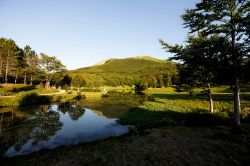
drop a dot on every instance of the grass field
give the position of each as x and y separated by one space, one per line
173 129
15 89
165 106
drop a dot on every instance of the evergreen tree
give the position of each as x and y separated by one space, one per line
228 18
204 60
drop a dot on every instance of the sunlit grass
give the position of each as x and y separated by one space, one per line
165 107
168 90
15 89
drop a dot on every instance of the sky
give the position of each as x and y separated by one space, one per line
83 32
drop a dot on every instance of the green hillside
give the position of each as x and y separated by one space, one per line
149 58
115 72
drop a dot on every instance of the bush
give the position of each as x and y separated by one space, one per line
79 96
151 98
105 95
139 88
32 99
69 92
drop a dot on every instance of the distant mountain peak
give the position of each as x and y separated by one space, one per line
149 58
102 62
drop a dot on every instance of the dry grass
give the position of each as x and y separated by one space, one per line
161 146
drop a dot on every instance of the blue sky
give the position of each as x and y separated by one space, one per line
83 32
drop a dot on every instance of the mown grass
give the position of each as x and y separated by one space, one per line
31 98
165 107
154 114
24 99
245 89
15 89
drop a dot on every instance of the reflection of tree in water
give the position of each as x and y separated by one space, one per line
37 127
45 108
73 109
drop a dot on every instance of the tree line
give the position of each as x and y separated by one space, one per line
24 65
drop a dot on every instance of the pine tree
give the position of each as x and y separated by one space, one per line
229 18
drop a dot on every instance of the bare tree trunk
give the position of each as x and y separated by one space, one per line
6 69
1 123
236 88
31 79
211 105
237 103
47 85
25 78
16 77
1 65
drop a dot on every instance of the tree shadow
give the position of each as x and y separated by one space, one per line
216 97
144 118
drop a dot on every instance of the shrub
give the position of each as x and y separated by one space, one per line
80 96
32 99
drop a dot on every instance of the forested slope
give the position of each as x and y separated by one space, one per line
115 72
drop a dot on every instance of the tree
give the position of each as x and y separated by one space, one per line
31 66
66 81
60 79
27 50
8 57
229 18
79 81
202 61
139 88
50 64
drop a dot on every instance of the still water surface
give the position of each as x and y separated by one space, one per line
50 126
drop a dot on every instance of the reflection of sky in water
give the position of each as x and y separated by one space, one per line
90 126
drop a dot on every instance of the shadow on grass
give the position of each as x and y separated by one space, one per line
216 97
23 89
33 99
143 118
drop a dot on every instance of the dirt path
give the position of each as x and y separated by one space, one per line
49 94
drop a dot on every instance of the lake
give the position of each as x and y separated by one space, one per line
30 129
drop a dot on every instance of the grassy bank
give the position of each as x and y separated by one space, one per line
31 98
161 146
24 95
16 89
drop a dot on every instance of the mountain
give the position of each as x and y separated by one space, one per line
128 71
149 58
102 62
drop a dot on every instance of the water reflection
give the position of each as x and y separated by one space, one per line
73 109
50 126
